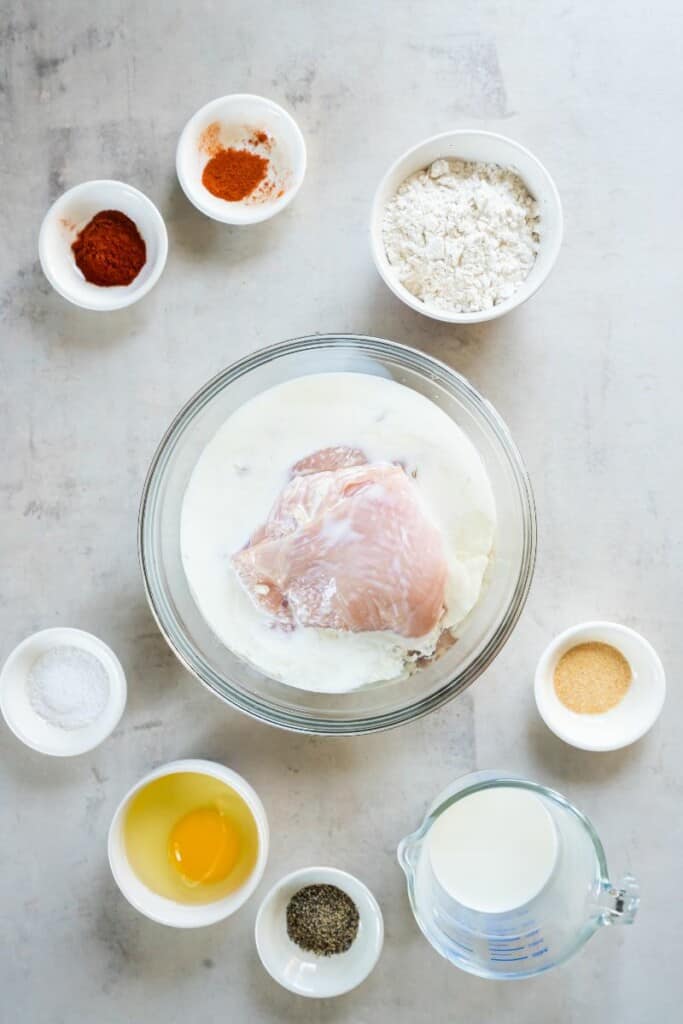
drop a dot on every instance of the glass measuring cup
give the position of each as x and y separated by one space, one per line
576 900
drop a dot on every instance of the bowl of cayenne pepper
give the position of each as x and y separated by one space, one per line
241 159
103 245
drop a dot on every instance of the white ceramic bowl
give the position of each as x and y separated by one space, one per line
623 724
239 115
159 908
318 977
70 213
489 148
33 730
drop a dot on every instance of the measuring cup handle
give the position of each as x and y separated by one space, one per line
620 902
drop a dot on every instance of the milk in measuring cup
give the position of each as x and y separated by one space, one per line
493 850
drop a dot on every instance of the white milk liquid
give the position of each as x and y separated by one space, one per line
245 466
494 850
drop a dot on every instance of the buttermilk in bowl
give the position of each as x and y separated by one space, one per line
336 530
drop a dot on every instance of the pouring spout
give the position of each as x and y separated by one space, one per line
408 853
620 902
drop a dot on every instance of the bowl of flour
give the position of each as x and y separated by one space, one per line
466 226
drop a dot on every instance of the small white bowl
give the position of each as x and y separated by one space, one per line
70 213
239 115
159 908
488 148
318 977
27 725
632 716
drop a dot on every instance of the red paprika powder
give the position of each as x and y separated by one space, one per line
233 174
110 250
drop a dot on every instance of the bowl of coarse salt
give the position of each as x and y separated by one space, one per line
62 691
466 226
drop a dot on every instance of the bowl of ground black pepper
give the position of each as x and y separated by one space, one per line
241 159
103 245
319 932
599 686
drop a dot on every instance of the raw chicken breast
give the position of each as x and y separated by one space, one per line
348 546
329 458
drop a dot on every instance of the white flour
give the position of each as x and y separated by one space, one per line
462 235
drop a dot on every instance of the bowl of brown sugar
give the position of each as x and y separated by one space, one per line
241 159
599 686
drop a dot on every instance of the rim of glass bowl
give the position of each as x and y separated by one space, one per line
261 709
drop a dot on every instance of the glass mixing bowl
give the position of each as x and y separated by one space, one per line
382 705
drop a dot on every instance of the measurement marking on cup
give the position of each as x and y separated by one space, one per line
523 930
507 959
461 945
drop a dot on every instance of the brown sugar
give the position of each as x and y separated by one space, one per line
591 678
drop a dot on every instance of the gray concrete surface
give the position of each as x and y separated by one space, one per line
587 375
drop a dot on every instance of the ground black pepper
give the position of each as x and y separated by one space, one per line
322 919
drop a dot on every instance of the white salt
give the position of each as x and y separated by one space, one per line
68 687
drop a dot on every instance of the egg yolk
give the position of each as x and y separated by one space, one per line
203 846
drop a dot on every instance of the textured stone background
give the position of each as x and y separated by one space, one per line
587 375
